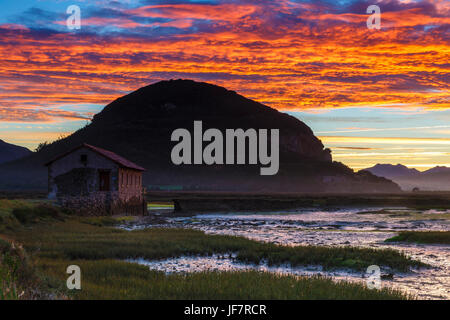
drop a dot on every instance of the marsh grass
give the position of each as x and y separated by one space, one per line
56 240
74 239
14 213
107 221
411 214
40 212
390 212
357 259
112 279
7 220
18 278
8 276
160 204
100 221
426 237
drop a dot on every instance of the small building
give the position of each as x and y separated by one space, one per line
94 181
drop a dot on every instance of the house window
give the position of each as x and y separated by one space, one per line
103 183
83 159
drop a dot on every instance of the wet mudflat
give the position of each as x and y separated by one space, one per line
361 227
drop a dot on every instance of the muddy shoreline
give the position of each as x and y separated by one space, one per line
320 227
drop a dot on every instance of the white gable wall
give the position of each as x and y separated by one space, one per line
73 160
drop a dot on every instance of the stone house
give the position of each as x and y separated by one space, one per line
94 181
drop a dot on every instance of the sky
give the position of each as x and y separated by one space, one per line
371 95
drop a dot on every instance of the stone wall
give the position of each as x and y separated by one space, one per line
75 184
78 190
103 204
95 204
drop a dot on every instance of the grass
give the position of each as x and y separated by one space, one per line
7 220
16 273
160 204
354 258
390 212
104 221
56 240
425 237
18 278
39 213
112 279
439 206
14 213
411 214
74 239
8 274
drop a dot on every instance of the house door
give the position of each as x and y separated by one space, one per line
104 180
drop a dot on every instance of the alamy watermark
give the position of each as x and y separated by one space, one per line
74 280
235 149
73 22
373 275
374 20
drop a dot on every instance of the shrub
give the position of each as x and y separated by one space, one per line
427 237
24 215
29 215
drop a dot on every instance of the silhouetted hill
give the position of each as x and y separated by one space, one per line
437 170
139 126
10 152
434 179
390 171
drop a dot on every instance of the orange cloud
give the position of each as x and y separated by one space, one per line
310 60
224 12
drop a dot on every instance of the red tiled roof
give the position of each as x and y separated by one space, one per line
107 154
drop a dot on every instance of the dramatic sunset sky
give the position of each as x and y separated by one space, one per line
372 96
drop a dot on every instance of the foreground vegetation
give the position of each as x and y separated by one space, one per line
8 272
112 279
16 213
426 237
18 279
76 239
56 240
411 214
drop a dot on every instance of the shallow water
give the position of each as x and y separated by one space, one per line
330 228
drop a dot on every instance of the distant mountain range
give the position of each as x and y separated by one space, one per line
10 152
138 126
434 179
